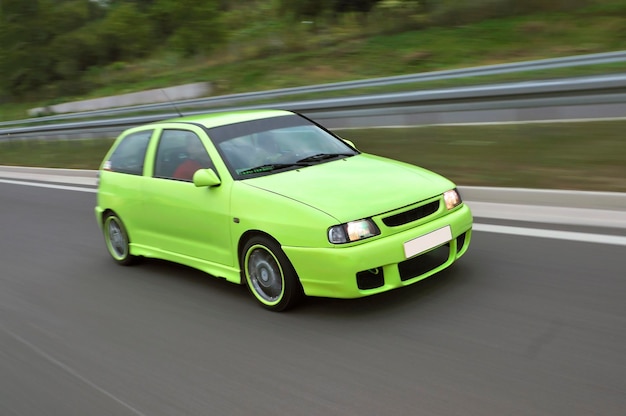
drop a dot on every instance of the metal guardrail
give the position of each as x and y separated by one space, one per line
227 100
415 107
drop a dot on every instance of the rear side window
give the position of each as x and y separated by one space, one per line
129 155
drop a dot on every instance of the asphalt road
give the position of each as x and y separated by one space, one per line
520 326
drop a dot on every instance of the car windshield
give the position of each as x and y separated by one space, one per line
266 146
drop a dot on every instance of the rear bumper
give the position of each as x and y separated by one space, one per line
99 212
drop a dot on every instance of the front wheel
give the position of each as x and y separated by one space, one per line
116 239
269 275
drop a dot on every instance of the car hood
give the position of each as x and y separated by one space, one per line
355 187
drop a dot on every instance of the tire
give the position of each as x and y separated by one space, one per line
117 241
269 275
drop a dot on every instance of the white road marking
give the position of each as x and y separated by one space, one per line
50 185
559 235
72 372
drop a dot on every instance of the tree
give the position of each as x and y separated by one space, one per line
32 50
315 8
126 33
189 26
364 6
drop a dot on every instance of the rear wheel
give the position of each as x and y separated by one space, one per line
269 275
116 239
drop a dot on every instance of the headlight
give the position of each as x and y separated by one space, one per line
452 198
352 231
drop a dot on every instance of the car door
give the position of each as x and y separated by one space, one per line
179 217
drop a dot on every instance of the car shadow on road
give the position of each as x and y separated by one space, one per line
444 285
170 273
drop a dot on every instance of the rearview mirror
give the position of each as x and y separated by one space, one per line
206 177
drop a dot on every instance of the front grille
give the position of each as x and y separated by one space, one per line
417 266
370 279
411 215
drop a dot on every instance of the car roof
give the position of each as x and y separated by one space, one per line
230 117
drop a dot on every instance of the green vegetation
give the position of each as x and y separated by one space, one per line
83 49
71 154
582 156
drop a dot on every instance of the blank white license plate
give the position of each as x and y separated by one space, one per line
426 242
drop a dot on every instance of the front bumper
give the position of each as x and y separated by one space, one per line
379 265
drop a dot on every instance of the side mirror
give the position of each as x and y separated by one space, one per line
206 177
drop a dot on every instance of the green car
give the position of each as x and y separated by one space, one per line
272 199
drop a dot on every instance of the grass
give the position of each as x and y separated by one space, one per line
71 154
579 156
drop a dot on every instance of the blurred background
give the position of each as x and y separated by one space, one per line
58 51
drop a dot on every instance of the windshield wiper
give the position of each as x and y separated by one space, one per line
323 156
270 167
302 162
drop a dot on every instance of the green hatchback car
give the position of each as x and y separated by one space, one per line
273 200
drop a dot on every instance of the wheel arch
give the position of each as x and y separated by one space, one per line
105 213
291 288
126 258
245 237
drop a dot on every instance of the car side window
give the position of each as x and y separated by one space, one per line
179 155
129 155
